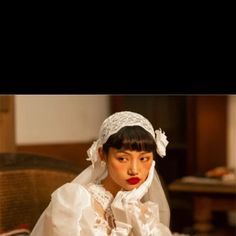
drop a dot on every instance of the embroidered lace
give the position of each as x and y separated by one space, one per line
104 198
101 195
121 119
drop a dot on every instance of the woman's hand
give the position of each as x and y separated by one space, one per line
137 194
122 198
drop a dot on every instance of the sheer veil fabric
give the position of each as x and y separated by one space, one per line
97 171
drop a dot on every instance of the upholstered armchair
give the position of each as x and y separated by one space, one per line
26 184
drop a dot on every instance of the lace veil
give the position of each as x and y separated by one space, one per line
98 171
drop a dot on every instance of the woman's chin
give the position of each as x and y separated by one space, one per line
131 187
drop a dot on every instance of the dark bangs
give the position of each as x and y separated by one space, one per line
134 138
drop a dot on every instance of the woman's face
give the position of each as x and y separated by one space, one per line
127 169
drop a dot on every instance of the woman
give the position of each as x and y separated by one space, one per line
120 193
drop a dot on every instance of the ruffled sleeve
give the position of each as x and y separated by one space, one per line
62 215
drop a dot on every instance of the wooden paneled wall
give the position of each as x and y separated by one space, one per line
196 127
75 153
207 132
211 127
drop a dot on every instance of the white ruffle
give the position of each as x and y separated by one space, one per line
101 195
161 141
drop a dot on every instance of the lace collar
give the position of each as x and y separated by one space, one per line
101 195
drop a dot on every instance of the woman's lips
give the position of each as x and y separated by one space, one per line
133 180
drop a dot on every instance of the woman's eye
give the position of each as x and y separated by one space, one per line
144 158
122 159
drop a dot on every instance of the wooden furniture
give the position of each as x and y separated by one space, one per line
26 184
207 197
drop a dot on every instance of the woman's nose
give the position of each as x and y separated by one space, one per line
133 169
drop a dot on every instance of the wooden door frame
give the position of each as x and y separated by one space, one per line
7 123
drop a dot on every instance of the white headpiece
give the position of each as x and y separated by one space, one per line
119 120
112 125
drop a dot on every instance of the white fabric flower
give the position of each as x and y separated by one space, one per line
161 141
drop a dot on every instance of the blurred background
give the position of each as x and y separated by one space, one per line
201 130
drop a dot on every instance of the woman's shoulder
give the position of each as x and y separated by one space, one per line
72 193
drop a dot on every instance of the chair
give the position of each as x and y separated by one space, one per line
26 183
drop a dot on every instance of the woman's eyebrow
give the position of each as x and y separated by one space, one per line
129 152
122 151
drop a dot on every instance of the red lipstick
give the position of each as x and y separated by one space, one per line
133 180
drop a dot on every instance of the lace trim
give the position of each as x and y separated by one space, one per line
101 195
104 198
120 119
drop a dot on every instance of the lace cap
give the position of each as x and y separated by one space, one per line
118 120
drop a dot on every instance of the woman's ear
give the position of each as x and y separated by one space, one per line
101 154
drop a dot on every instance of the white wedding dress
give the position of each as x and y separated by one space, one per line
84 208
73 211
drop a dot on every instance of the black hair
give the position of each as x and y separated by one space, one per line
134 138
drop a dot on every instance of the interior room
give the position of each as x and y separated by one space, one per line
198 172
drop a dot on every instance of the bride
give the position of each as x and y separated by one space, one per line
120 193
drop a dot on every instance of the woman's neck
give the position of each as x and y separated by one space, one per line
110 186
